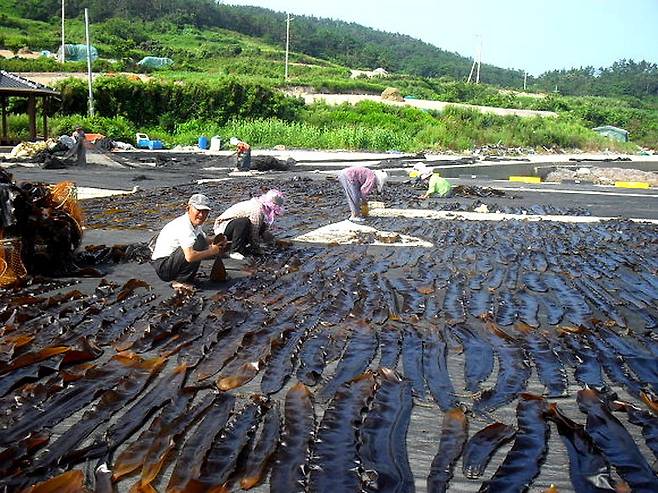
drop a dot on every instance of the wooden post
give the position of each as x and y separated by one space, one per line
5 136
32 117
44 108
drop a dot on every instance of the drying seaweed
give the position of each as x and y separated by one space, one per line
479 303
110 402
64 404
160 394
221 353
254 351
553 312
588 469
359 352
334 457
616 444
134 455
223 455
412 361
453 303
453 438
190 459
648 422
435 370
281 365
481 447
549 367
383 448
534 282
513 373
16 457
289 469
312 357
166 440
296 313
589 371
260 457
522 463
389 346
506 311
528 308
478 357
67 482
614 366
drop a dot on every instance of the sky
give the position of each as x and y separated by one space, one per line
531 35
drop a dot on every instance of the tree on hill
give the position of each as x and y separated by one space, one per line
351 44
623 78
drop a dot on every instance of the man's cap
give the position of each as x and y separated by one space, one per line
200 202
234 141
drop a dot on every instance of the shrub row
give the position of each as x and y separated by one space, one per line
167 103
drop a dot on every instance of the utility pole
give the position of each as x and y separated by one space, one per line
477 61
62 57
90 100
470 75
477 76
288 19
525 79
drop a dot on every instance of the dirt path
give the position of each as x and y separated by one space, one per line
49 78
419 103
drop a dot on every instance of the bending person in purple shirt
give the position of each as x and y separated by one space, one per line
358 182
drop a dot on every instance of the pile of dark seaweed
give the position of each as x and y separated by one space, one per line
309 373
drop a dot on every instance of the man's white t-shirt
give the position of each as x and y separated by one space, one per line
177 233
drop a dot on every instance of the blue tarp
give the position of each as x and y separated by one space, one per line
77 53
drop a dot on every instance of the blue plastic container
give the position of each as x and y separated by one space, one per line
155 144
203 142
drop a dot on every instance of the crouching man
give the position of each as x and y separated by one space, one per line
182 245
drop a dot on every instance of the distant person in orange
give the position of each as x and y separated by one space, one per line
243 153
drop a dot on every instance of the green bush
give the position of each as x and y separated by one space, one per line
117 128
144 103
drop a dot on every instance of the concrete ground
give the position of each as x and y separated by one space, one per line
425 429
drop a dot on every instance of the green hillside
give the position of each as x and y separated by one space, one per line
231 55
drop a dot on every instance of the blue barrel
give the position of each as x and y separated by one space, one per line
203 142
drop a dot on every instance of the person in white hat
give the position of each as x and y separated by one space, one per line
436 185
182 245
358 182
243 154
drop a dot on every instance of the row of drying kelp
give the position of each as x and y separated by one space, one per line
221 443
312 330
309 203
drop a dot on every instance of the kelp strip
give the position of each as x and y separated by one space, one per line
616 443
289 469
453 437
260 457
383 448
334 458
191 457
588 469
481 447
522 463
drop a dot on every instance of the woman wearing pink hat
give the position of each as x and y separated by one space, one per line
246 224
358 182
